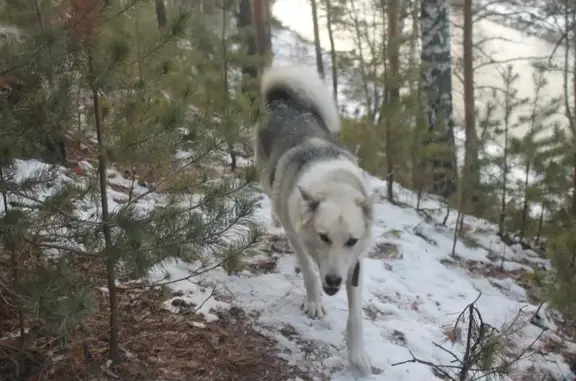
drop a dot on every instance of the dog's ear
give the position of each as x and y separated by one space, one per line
312 201
366 203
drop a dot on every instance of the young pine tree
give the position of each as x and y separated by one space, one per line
533 146
136 86
500 130
45 294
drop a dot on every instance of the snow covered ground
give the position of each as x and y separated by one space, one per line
414 289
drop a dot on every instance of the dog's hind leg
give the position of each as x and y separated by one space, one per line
267 189
313 303
261 159
357 355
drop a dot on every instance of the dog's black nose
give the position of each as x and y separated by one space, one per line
333 280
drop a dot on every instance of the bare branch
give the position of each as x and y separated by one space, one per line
479 344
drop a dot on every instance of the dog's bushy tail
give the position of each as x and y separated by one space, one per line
301 84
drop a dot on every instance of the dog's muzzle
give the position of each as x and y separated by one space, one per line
331 290
332 284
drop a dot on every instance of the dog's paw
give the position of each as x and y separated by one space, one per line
313 309
360 359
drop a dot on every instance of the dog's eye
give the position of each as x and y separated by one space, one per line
325 238
351 242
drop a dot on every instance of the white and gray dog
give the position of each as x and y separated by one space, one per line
317 191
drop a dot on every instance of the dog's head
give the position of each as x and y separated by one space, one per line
336 224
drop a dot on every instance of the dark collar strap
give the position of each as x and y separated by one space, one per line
356 274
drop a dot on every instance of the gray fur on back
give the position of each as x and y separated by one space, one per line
290 141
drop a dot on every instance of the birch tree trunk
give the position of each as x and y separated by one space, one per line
437 94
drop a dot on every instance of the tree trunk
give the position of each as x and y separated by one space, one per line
225 86
358 31
244 22
540 225
504 183
208 7
332 49
471 174
525 203
573 209
114 352
416 95
317 47
161 17
393 51
261 22
574 105
392 88
437 89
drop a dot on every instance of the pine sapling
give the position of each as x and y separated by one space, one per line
531 147
511 102
484 355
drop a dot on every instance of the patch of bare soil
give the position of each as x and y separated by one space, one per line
310 350
274 246
155 345
521 276
385 250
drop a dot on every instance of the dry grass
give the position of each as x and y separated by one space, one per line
155 345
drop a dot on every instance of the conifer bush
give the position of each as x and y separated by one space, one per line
122 93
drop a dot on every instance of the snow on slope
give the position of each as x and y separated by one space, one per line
409 298
413 290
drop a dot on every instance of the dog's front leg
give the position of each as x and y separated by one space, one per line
357 355
313 303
